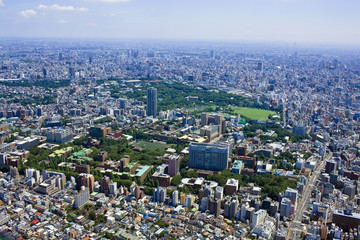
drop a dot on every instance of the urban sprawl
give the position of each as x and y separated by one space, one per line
178 140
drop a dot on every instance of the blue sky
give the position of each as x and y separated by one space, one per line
300 21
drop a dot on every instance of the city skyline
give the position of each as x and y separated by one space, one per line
294 21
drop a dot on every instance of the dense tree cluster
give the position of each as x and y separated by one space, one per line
279 135
47 84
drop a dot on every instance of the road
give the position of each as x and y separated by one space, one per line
295 227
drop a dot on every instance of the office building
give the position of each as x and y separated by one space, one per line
292 194
4 216
28 142
99 132
14 173
237 166
4 159
219 192
81 198
231 186
331 165
113 188
50 185
258 218
123 103
346 219
285 207
234 208
59 136
215 206
208 156
204 204
159 194
82 168
151 102
299 130
48 174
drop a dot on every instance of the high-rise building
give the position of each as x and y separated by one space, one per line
152 102
81 198
135 190
219 192
59 136
204 205
233 208
175 198
227 209
86 180
212 54
82 168
14 173
113 188
4 216
285 207
105 185
292 194
231 186
258 218
215 206
331 165
123 103
72 72
39 111
208 156
4 159
174 165
204 119
159 194
99 132
190 199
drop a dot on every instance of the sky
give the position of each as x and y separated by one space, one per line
293 21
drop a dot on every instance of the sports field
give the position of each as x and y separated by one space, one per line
253 113
153 146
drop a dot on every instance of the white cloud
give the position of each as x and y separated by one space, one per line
28 13
2 3
61 21
113 1
57 7
82 9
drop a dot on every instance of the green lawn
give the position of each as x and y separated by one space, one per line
253 113
153 146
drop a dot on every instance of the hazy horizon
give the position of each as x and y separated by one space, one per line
320 22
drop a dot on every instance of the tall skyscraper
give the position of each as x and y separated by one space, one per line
208 156
152 102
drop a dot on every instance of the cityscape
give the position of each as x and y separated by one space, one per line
177 139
